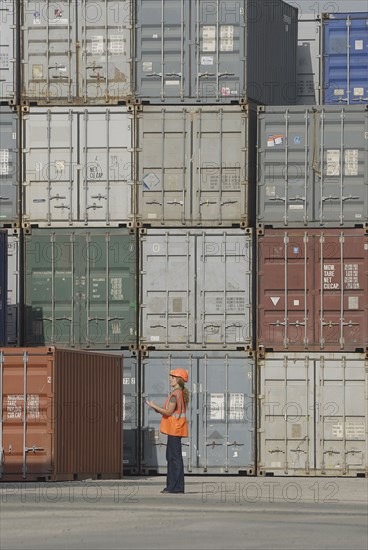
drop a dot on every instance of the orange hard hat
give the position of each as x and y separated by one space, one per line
180 373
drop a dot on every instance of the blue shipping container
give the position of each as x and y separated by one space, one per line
3 285
345 58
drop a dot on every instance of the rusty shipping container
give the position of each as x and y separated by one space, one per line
313 290
61 414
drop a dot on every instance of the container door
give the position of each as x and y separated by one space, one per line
341 168
50 51
26 430
104 38
8 10
3 286
162 61
105 193
217 62
346 59
164 160
226 414
341 431
168 289
219 166
8 164
224 289
286 416
285 193
51 166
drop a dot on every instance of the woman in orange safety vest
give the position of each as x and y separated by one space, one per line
174 424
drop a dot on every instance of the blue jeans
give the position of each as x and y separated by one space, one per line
175 465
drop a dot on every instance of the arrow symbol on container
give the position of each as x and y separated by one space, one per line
275 300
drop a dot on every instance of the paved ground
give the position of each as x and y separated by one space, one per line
216 512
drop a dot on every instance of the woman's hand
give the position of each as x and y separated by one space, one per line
151 404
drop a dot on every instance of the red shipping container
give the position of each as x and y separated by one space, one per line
312 289
61 414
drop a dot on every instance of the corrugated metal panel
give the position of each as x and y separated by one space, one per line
77 52
345 56
88 432
211 52
9 159
312 166
81 288
196 289
308 64
13 295
8 10
3 285
220 413
313 414
61 414
313 290
196 165
78 166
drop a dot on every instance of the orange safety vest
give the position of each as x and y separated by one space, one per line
176 424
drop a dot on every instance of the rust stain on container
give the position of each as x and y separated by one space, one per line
313 289
61 414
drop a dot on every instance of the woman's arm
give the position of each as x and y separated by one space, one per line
165 412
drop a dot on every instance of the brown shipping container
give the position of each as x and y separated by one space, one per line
61 414
313 289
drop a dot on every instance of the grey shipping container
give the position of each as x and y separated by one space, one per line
9 166
60 412
3 285
220 413
312 290
312 166
76 52
313 414
77 167
196 165
207 51
8 47
81 288
196 289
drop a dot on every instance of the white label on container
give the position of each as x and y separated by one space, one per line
275 300
116 328
124 408
217 406
116 288
14 407
358 92
351 162
270 190
14 135
333 162
225 91
227 38
37 18
147 66
359 44
275 464
155 338
58 21
337 431
351 276
126 381
4 162
339 91
59 165
172 82
329 274
296 302
237 409
209 38
353 302
207 60
296 206
184 453
97 44
355 430
151 216
116 44
275 139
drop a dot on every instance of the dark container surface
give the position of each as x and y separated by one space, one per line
313 290
3 285
70 427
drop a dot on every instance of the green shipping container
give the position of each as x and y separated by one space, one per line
81 288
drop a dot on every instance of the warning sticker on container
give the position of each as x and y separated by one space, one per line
151 182
116 44
225 91
227 38
4 162
207 60
217 406
351 162
36 18
209 38
237 409
97 45
351 276
333 162
14 408
275 139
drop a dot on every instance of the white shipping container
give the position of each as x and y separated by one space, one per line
8 44
313 414
77 166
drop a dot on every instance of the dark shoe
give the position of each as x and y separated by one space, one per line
164 490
